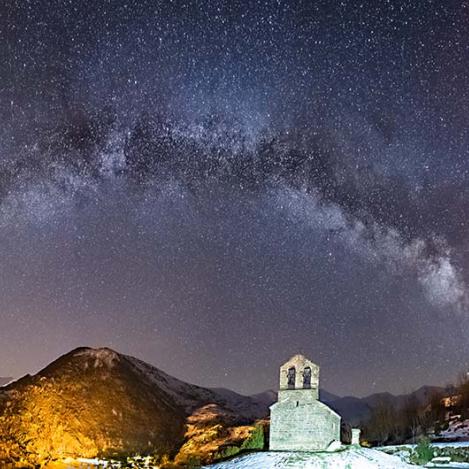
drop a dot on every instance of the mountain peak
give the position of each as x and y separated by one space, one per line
103 357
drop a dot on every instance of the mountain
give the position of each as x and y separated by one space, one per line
4 381
356 410
353 410
267 398
97 402
327 397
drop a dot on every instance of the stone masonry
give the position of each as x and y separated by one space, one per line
299 421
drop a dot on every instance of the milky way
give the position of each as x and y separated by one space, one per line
215 186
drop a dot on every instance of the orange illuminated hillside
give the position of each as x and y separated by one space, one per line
96 402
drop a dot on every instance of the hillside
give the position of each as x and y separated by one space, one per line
97 402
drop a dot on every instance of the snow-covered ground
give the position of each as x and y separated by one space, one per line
451 444
444 458
454 444
457 429
353 458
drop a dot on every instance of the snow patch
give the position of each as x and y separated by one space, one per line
457 430
353 458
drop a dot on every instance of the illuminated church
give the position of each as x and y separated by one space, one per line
299 421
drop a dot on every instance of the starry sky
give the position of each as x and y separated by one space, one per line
214 186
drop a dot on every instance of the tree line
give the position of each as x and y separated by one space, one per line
392 423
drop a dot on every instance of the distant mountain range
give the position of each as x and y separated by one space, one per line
97 402
356 410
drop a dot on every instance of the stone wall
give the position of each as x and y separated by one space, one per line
310 395
302 426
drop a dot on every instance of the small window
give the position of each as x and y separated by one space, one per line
307 378
291 375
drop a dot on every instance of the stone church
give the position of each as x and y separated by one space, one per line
299 421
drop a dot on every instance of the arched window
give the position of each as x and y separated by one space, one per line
291 375
307 378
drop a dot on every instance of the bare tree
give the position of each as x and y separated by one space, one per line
462 390
411 418
382 425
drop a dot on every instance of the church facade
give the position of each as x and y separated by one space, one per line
299 421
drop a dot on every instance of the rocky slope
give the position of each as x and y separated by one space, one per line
96 402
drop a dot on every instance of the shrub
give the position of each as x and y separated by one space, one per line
255 440
193 462
228 452
423 452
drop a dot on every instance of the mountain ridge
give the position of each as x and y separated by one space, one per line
356 410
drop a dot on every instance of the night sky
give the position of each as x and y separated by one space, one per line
214 186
